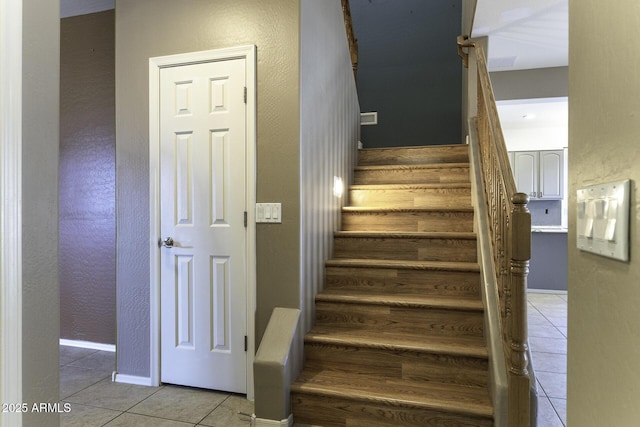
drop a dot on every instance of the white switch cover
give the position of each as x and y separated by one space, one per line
269 212
603 219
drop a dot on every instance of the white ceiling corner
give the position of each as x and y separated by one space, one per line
524 34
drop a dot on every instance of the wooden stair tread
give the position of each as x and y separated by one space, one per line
419 147
416 265
444 185
378 209
459 345
407 235
393 299
411 166
465 400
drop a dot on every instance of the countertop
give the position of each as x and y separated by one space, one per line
548 229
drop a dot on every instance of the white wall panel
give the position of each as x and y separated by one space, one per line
329 131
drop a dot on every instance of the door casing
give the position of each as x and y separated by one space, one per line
155 65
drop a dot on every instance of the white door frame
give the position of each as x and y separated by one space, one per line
155 65
11 207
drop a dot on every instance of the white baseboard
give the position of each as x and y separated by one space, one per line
131 379
546 291
261 422
88 344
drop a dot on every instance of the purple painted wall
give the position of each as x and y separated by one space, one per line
87 178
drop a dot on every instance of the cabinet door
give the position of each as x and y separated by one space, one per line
551 174
525 172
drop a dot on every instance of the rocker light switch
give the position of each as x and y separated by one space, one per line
603 219
269 213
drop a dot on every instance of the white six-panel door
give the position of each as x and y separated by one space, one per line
202 223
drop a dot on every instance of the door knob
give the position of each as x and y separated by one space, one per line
167 243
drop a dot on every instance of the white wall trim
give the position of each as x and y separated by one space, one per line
132 379
262 422
155 64
11 207
88 344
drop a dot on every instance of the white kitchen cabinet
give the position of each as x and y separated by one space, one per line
539 173
551 174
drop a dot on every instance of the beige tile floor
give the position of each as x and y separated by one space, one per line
85 382
548 341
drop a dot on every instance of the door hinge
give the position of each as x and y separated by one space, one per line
245 219
245 94
245 343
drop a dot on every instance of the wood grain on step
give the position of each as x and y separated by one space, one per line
407 219
414 155
409 246
407 174
449 196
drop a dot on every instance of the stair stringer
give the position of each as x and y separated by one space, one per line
498 381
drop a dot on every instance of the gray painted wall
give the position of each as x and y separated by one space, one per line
87 178
40 296
329 127
529 84
548 265
149 28
409 70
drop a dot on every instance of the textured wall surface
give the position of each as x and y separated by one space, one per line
87 178
328 138
40 296
409 70
604 129
149 28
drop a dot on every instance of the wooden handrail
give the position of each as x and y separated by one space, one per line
510 234
353 41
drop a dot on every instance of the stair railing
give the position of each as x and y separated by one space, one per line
353 41
509 230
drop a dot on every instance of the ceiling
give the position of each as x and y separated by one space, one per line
543 112
524 34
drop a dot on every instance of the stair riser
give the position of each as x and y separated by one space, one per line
394 319
408 175
405 281
413 156
398 364
450 198
414 249
333 412
408 221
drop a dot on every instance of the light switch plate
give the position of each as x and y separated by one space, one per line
269 213
603 219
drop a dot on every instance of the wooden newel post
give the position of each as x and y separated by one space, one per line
520 241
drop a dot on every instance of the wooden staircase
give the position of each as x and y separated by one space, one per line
398 339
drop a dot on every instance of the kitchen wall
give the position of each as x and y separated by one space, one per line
149 28
409 70
604 321
528 84
542 91
87 178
